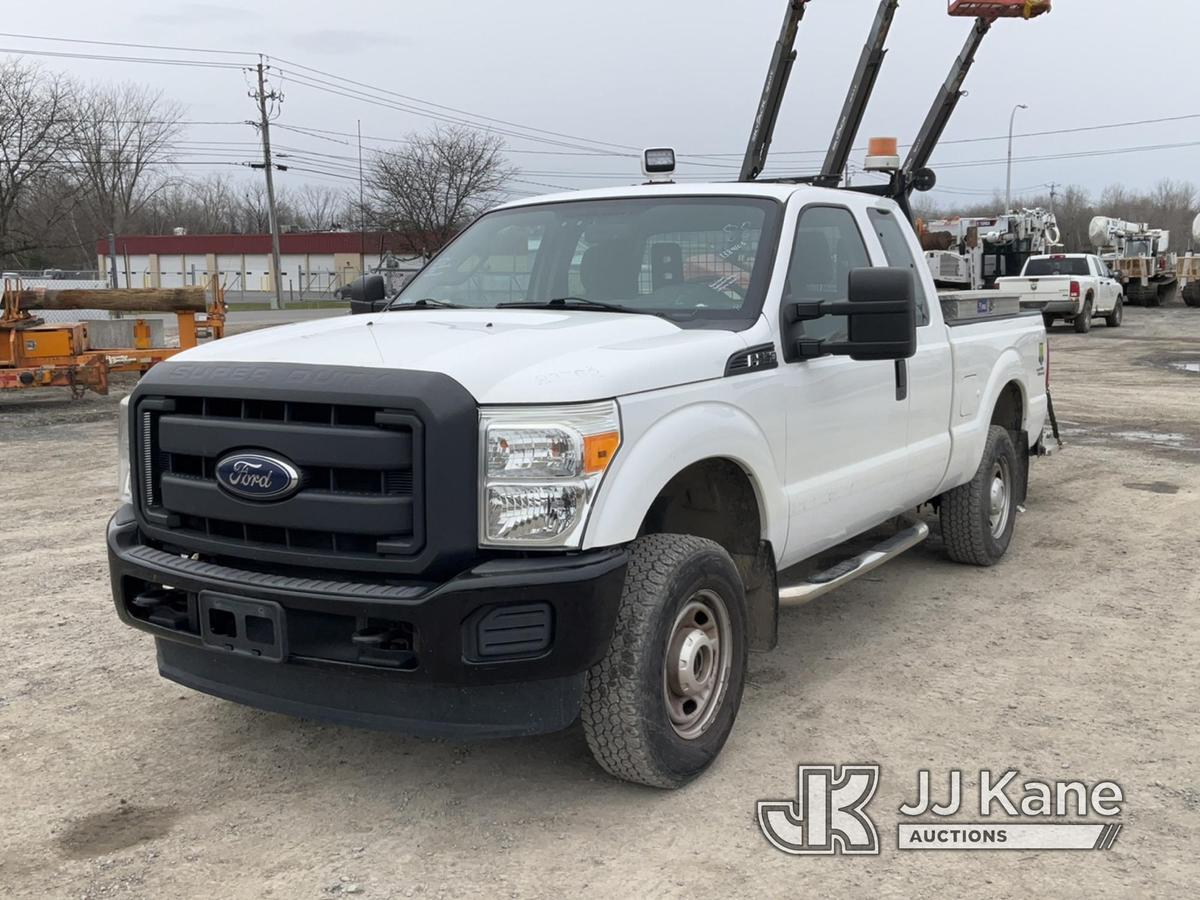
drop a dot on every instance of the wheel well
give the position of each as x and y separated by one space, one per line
711 499
715 499
1010 408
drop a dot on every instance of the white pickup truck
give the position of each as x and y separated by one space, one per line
560 478
1077 287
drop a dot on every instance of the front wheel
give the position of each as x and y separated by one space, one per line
659 706
1083 321
978 518
1114 318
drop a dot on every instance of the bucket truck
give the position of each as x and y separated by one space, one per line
1139 257
972 253
1189 269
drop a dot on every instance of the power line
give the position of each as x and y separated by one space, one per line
63 40
462 112
1003 137
162 61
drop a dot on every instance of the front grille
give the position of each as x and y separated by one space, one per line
360 495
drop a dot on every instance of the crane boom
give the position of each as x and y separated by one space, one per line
774 89
859 95
944 104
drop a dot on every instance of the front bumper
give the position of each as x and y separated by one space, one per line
499 650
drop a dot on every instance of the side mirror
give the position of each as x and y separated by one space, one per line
368 294
882 314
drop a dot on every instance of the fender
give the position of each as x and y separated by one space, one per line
648 460
968 436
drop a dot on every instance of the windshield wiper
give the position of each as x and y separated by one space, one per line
575 303
426 303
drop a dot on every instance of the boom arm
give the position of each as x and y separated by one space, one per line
944 105
773 91
861 88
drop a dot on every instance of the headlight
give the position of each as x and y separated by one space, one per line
124 488
542 466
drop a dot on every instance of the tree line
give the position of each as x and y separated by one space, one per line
1172 205
78 162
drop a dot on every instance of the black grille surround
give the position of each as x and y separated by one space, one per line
371 446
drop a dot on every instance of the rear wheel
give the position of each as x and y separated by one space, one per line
1114 318
978 518
1083 321
658 708
1048 320
1191 294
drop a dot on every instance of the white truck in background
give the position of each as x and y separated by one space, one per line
1075 287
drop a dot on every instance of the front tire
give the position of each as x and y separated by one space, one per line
659 706
1114 318
978 518
1083 321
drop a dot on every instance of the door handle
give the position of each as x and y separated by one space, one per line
901 379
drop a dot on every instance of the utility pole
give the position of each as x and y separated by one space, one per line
1053 194
263 98
362 210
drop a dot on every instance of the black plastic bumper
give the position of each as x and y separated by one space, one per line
1058 307
498 650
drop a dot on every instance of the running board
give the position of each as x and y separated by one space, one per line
847 570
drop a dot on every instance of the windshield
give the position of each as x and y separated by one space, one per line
693 260
1057 265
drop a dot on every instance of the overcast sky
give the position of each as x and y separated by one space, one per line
681 72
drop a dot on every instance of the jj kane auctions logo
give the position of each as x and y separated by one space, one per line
829 815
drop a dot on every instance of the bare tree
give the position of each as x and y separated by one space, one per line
36 112
123 138
437 184
322 208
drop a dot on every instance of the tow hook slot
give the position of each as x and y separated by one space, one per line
386 644
165 607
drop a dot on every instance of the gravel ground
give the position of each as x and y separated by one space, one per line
1074 658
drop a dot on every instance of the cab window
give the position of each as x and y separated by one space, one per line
900 256
828 248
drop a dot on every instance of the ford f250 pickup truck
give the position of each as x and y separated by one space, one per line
1077 287
560 477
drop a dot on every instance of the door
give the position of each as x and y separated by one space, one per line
1108 290
846 427
930 372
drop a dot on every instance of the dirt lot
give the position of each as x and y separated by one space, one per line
1075 658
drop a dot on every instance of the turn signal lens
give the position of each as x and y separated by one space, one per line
598 451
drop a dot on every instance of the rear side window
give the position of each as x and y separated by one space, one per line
896 249
828 248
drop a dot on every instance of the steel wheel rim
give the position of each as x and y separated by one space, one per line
697 664
1000 497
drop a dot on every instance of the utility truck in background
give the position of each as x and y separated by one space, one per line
584 458
1140 257
972 253
1189 269
1076 287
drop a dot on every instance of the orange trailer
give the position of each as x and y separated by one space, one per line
34 353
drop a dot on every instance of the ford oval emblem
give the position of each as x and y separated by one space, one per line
256 476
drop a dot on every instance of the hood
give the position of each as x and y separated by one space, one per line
499 355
